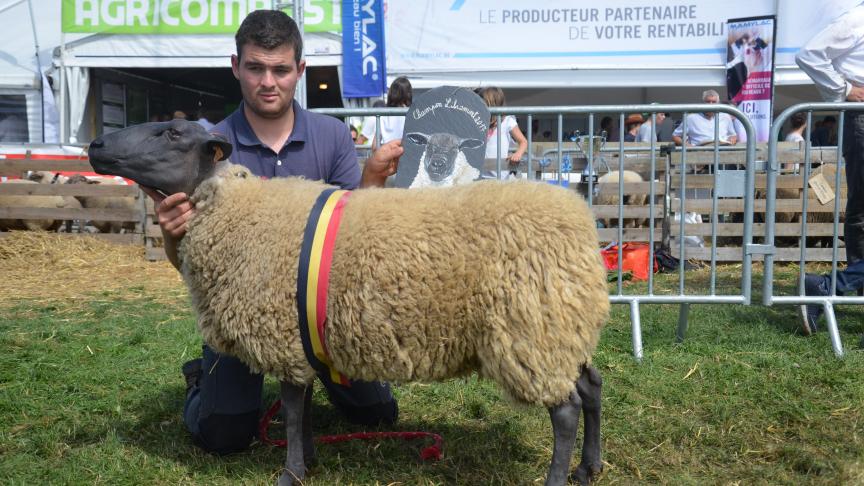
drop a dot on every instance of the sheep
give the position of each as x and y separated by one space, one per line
28 201
443 163
787 193
609 182
105 202
47 177
425 284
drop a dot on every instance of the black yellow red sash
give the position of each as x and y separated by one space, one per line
313 278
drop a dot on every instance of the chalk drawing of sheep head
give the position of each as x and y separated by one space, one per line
442 150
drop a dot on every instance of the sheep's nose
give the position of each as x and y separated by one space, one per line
97 143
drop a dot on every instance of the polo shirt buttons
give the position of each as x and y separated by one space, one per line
278 162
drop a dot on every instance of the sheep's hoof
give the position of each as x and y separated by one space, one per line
288 478
585 474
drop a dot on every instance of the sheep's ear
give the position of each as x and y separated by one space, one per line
418 138
470 143
219 147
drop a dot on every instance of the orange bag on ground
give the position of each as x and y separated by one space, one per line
635 259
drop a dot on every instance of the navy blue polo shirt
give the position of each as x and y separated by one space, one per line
319 148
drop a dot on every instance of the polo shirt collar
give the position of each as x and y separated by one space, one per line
246 136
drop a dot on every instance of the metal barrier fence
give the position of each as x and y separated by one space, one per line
805 172
685 296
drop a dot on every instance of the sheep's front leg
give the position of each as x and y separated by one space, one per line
292 409
565 426
589 386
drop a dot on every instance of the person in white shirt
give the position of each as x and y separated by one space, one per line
834 60
510 132
700 126
647 128
399 95
367 130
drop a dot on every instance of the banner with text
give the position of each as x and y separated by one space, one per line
495 35
184 16
364 71
750 70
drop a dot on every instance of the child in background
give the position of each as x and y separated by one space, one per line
494 96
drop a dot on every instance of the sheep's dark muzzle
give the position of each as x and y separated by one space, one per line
169 157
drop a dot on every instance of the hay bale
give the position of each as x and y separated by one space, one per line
50 266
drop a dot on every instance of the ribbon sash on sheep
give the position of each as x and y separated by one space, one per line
313 279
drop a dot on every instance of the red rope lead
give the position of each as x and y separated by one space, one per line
433 452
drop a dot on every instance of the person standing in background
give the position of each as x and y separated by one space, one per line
399 95
494 96
648 128
834 60
631 127
798 122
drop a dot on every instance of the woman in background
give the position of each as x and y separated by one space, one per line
494 96
799 124
399 95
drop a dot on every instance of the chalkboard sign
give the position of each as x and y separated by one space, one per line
444 139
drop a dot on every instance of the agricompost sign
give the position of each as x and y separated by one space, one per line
183 16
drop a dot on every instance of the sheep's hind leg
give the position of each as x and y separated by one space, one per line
293 397
309 455
565 426
589 386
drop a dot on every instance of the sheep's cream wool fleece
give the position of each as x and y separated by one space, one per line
425 284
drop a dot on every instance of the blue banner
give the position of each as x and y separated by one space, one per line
364 72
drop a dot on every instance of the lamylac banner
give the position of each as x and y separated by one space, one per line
750 70
364 73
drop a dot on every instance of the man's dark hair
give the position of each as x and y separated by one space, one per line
400 92
269 29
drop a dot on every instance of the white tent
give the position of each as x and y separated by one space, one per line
20 104
20 79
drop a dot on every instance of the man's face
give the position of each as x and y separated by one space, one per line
268 78
713 100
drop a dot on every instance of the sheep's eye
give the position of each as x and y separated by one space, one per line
172 134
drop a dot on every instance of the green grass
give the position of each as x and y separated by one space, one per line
91 393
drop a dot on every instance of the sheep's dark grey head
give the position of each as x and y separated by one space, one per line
441 152
174 156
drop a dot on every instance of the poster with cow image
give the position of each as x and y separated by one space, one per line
444 139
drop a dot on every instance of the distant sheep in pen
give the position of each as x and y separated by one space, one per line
37 202
424 284
106 202
607 195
